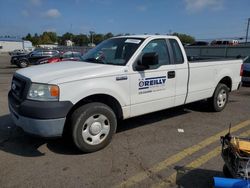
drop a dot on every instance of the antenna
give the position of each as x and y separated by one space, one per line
71 39
248 21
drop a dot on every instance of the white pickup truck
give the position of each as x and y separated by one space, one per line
122 77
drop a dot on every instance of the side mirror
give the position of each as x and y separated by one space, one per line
150 59
147 59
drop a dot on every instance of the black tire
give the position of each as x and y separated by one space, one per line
87 120
220 98
227 172
23 63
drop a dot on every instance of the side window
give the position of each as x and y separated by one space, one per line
54 53
77 54
67 54
158 46
178 56
46 53
36 54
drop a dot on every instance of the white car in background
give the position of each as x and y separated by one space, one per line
18 52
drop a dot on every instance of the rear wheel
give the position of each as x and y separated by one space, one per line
93 126
220 98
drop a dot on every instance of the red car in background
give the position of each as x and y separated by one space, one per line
63 56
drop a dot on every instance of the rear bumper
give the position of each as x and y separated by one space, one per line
245 79
239 86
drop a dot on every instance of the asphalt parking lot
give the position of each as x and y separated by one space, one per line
147 151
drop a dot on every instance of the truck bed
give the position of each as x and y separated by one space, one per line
199 59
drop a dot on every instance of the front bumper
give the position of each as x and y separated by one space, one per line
45 119
39 127
13 61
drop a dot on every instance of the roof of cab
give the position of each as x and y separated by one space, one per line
145 36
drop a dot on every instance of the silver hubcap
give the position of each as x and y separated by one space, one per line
23 63
95 129
222 98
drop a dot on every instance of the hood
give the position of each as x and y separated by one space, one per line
67 71
19 56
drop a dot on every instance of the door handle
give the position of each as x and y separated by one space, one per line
171 74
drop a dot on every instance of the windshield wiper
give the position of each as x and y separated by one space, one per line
93 60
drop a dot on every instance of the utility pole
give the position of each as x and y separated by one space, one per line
92 37
170 32
247 29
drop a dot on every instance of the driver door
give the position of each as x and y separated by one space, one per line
153 89
35 56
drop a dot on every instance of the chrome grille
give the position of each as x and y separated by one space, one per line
17 87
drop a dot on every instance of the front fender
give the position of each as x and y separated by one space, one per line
78 90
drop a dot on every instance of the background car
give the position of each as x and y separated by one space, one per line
246 71
63 56
224 42
32 58
18 52
199 43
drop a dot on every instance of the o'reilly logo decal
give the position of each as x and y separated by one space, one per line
152 84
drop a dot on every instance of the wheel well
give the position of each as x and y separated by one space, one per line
227 81
24 59
103 98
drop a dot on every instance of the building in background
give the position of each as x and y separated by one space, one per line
10 44
69 43
48 46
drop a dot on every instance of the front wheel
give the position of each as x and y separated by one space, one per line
23 63
220 98
227 172
93 126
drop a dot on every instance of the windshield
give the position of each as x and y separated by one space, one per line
115 51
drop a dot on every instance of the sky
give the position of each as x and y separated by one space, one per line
203 19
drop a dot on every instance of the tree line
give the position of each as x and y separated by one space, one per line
84 39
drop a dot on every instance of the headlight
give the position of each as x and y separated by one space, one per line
43 92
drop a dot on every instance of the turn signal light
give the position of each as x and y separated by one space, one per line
54 91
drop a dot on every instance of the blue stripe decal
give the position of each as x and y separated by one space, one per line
143 88
155 78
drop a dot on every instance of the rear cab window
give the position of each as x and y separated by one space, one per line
177 53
